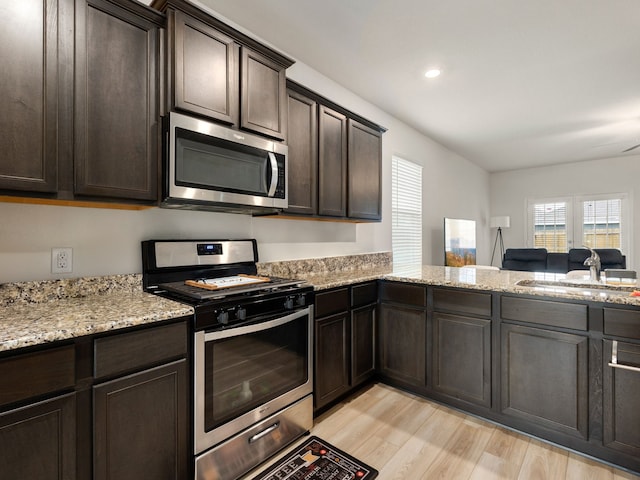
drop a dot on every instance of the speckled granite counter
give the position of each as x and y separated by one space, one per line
36 313
469 277
505 281
333 272
330 272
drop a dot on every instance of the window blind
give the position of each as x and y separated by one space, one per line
406 207
601 223
550 226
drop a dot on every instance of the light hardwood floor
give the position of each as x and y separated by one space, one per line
407 437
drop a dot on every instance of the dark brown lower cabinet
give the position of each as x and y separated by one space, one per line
123 396
141 425
331 358
39 441
462 357
344 340
545 378
362 344
403 343
621 398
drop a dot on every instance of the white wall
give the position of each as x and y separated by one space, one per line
108 241
510 191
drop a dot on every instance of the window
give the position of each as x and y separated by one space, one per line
601 223
550 226
598 221
406 204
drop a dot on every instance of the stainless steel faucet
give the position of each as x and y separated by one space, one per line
593 262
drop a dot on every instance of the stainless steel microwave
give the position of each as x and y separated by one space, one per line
213 167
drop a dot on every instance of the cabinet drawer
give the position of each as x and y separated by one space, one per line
460 301
403 293
137 350
543 312
334 301
38 373
364 294
622 322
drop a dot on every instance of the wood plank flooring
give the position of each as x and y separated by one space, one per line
407 437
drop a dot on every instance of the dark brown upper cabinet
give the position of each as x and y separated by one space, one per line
302 140
80 87
264 95
217 72
205 70
29 81
365 166
116 101
335 160
332 166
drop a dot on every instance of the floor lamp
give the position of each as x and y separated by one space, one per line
499 223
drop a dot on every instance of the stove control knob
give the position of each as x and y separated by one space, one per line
241 313
223 317
301 301
288 303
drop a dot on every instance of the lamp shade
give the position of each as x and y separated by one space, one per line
500 222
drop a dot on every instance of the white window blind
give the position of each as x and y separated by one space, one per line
406 213
550 226
595 221
601 223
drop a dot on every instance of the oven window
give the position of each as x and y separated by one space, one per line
216 164
249 370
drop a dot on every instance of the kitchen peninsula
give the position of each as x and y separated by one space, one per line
536 359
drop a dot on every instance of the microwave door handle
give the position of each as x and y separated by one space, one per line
274 174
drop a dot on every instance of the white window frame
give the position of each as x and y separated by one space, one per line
625 225
575 220
568 201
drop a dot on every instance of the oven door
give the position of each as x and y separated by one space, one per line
245 374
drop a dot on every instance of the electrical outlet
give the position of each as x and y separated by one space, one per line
61 260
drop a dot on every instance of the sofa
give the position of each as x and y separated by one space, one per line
539 260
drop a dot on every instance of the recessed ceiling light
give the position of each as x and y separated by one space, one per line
433 73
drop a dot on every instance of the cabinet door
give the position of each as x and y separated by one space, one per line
29 95
331 358
264 95
365 167
141 425
621 394
462 357
206 70
403 346
545 378
39 441
116 103
332 163
302 140
363 356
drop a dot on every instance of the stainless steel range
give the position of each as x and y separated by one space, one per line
252 350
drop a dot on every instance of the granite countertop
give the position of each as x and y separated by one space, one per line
473 278
324 280
37 313
506 281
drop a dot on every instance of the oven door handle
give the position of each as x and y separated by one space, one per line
258 327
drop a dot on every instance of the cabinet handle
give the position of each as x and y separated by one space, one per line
266 431
614 359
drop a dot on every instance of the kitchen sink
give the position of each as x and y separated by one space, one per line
578 287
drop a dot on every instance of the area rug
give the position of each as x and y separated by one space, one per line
316 459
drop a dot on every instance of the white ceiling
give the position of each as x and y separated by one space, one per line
524 83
